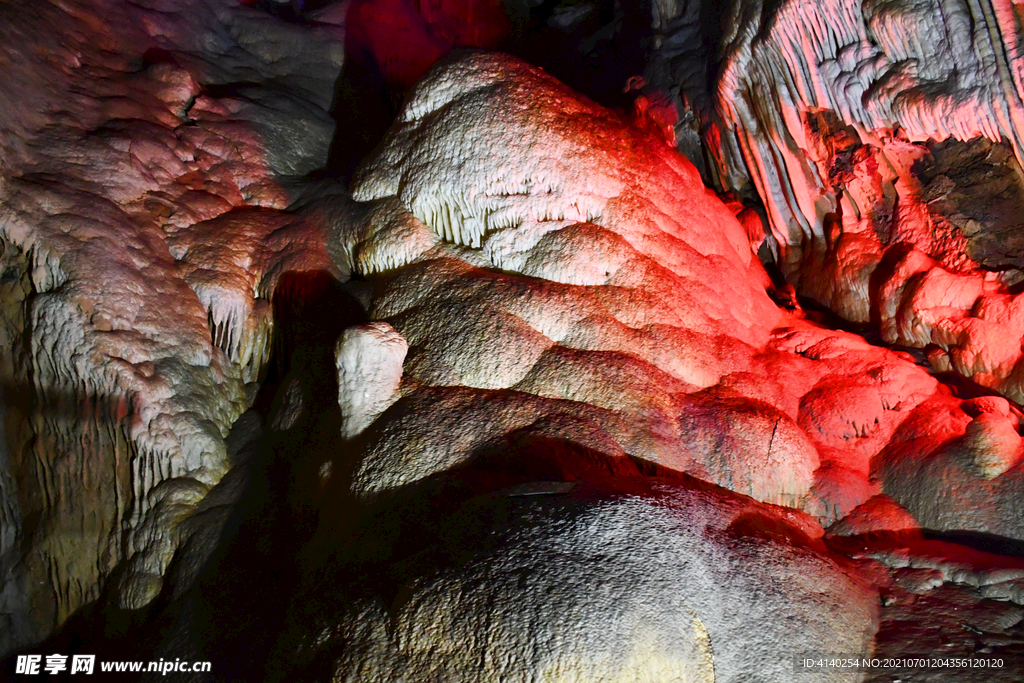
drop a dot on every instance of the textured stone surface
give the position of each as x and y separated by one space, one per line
369 362
530 406
956 473
560 273
934 71
648 581
885 141
139 185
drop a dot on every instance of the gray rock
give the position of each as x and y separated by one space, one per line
643 582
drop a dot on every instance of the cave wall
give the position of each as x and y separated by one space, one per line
134 340
333 349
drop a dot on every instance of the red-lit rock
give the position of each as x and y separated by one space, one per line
880 514
519 465
874 132
569 272
955 472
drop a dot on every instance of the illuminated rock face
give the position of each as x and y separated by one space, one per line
369 362
546 292
141 244
636 581
575 438
578 308
834 111
553 252
535 260
935 70
955 472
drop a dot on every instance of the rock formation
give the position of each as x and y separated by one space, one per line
509 393
864 126
143 236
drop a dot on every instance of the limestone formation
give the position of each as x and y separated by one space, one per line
864 126
643 582
506 393
369 362
140 216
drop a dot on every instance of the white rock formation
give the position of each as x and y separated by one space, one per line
934 69
560 311
547 297
612 281
643 582
515 249
369 361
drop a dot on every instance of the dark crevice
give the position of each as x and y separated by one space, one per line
976 540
